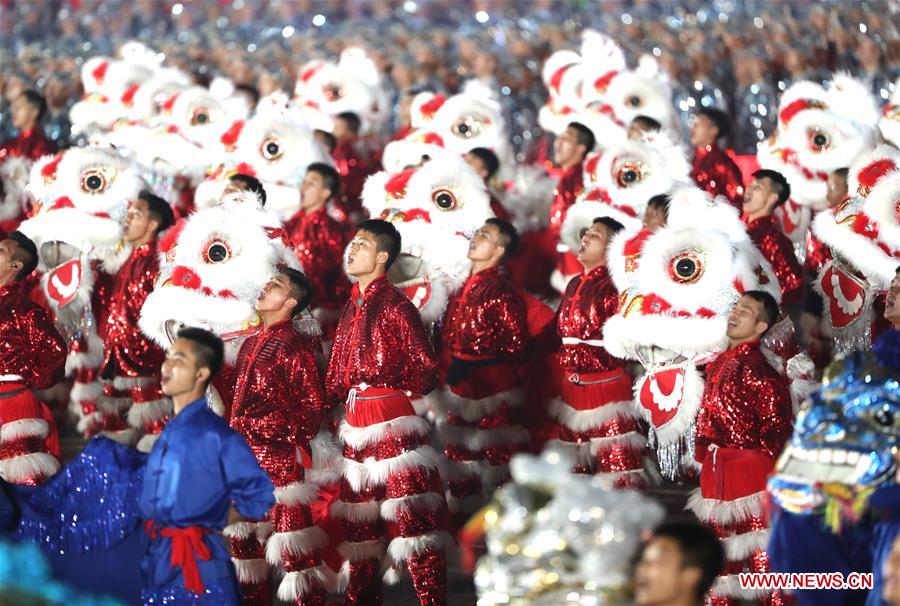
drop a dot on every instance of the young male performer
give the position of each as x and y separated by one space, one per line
32 356
744 421
391 487
198 470
278 406
132 402
485 330
597 420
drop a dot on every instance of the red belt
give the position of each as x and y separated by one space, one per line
374 405
187 547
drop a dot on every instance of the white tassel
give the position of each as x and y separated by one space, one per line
147 442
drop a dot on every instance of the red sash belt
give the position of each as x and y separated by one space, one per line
374 405
732 473
187 547
590 390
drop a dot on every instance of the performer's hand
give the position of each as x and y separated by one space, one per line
234 516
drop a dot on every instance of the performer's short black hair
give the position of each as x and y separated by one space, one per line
611 224
159 210
37 101
329 140
585 135
508 234
843 173
251 90
387 238
699 547
329 175
252 184
301 288
661 203
769 313
780 185
488 158
352 120
647 123
719 118
208 349
26 252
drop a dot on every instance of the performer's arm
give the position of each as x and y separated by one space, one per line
302 375
43 363
249 487
418 372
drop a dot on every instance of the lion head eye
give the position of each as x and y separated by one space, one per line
630 173
819 140
200 116
216 250
94 181
686 267
271 148
468 127
333 91
444 199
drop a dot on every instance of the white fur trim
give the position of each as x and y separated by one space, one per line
375 473
631 439
579 453
24 428
239 530
469 504
298 584
401 549
726 512
427 501
18 469
730 586
742 546
559 281
585 420
502 436
475 410
611 477
296 493
367 511
297 542
623 335
149 412
493 476
362 550
113 405
128 383
82 392
147 442
251 571
320 477
457 470
361 437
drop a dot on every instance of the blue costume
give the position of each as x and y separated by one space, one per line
196 470
835 485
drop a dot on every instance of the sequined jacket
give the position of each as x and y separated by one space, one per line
380 341
588 302
319 242
570 186
30 144
716 173
778 250
353 170
746 404
487 318
30 345
128 353
278 399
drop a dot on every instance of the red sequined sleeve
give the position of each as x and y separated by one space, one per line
770 395
507 315
43 362
301 373
778 249
415 365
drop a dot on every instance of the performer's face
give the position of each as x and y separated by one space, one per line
275 294
594 242
744 320
661 576
364 256
313 191
477 165
891 302
486 244
654 218
137 221
180 373
759 197
836 190
9 264
703 132
24 114
567 150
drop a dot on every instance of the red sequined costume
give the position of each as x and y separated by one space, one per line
485 330
597 422
32 356
132 402
354 170
716 173
31 144
570 186
319 241
779 252
390 487
743 423
278 407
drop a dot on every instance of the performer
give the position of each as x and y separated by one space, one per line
769 190
278 406
27 110
486 164
198 468
391 485
713 170
641 127
597 421
485 332
743 423
319 241
569 150
132 403
350 164
32 356
656 215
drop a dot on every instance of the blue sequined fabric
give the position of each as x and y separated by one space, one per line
213 596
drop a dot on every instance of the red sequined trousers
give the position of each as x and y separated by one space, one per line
730 500
391 500
29 445
598 426
480 431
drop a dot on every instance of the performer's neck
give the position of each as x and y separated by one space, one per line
588 268
181 401
367 279
479 266
271 318
733 343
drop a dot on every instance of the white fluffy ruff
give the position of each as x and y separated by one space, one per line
367 511
742 546
361 437
23 428
428 501
251 571
298 584
297 542
143 413
18 469
623 335
376 473
297 493
584 420
401 549
147 442
475 410
726 512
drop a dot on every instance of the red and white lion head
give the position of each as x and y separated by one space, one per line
890 118
218 263
276 147
820 129
678 285
436 208
325 89
863 233
459 123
